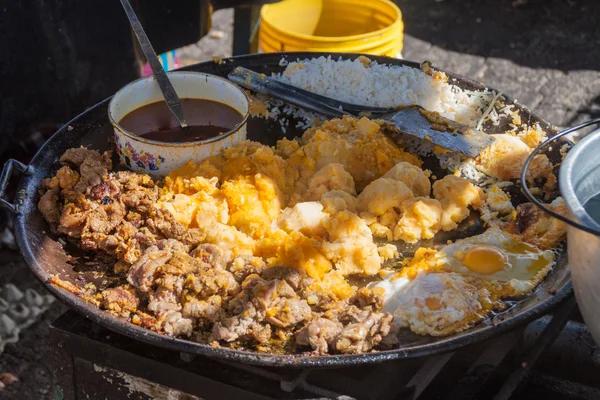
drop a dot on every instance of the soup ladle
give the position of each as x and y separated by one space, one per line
166 87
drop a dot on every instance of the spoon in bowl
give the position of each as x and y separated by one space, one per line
164 83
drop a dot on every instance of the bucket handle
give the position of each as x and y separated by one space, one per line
530 195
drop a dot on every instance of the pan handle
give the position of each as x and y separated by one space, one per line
7 171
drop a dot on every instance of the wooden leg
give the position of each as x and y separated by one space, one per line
244 22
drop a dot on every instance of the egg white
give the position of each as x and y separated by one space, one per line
437 294
436 304
524 261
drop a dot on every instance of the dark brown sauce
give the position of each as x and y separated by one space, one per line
205 119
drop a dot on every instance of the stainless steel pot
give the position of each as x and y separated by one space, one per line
579 181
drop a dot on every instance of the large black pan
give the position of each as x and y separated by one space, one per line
46 256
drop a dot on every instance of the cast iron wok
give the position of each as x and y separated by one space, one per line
46 256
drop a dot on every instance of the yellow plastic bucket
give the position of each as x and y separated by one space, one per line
349 26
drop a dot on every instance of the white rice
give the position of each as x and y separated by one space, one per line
391 86
385 86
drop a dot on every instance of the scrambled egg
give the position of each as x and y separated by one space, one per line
383 194
318 202
296 204
421 219
456 194
328 178
414 177
357 144
505 158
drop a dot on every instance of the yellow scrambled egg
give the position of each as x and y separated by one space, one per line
296 204
318 202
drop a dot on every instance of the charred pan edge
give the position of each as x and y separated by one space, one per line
553 291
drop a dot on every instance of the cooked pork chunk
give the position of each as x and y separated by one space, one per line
49 206
67 178
294 277
142 273
211 254
319 334
282 305
368 330
238 326
93 170
173 323
242 266
210 281
202 310
121 300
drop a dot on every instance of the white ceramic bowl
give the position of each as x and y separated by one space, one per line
160 158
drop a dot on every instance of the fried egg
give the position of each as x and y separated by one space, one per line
444 291
434 304
496 255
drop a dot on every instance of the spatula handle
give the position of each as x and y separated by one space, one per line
263 84
166 87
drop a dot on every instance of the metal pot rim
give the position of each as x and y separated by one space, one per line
566 185
568 193
197 74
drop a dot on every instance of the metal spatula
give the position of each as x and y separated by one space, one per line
412 120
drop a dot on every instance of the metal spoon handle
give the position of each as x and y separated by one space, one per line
164 83
261 83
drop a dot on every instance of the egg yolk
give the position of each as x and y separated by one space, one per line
485 260
433 303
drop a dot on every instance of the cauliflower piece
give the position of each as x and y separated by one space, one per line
305 217
456 194
382 194
330 177
421 219
351 245
412 176
337 201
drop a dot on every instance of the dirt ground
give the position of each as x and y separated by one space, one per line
218 42
542 52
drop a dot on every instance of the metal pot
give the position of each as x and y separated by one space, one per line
579 181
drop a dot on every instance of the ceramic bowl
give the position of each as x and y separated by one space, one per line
159 158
